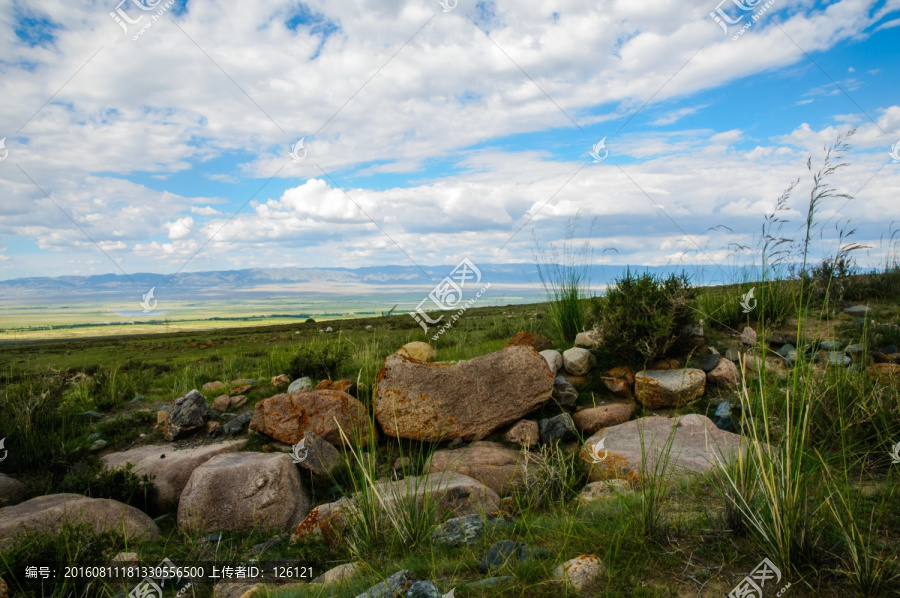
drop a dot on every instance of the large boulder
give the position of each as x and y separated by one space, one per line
468 400
287 417
243 492
669 388
501 469
12 491
450 494
186 415
578 361
590 420
616 452
529 339
48 514
169 468
419 351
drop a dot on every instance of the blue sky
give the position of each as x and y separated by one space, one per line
431 135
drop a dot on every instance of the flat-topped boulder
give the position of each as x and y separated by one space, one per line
616 452
669 388
243 492
169 468
469 400
287 417
499 468
48 514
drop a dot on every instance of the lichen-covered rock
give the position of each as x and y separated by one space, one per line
580 572
468 400
669 388
287 417
347 386
419 351
529 339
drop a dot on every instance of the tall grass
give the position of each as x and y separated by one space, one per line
566 276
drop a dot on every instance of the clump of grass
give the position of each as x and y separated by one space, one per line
645 317
552 478
566 275
319 360
120 484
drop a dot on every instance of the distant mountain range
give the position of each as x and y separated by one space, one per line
272 282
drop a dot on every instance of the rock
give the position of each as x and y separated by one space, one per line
595 491
321 457
528 339
339 574
748 336
287 417
592 339
451 494
281 381
47 514
669 388
590 420
419 351
623 372
558 427
554 359
126 557
237 401
830 345
887 374
722 417
304 383
490 582
617 386
507 552
863 323
857 311
666 364
733 354
221 403
564 393
709 362
695 447
243 492
838 358
329 330
239 390
499 468
469 400
725 374
99 445
580 382
4 590
347 386
786 350
856 351
187 414
423 589
578 361
212 386
235 426
94 415
466 530
12 491
580 573
524 433
235 590
393 587
169 468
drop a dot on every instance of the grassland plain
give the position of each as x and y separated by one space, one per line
705 538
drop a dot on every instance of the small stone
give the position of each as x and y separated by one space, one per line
618 386
838 358
602 490
98 445
507 552
329 330
857 311
725 374
539 342
733 354
281 381
339 574
588 421
187 414
126 557
830 346
578 361
211 427
303 383
554 360
419 351
564 393
318 455
423 589
863 323
592 339
395 585
347 386
748 336
559 427
786 350
212 386
221 403
856 350
90 415
709 362
466 530
524 433
580 572
235 426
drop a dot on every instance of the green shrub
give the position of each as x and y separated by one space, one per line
645 317
118 484
319 361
